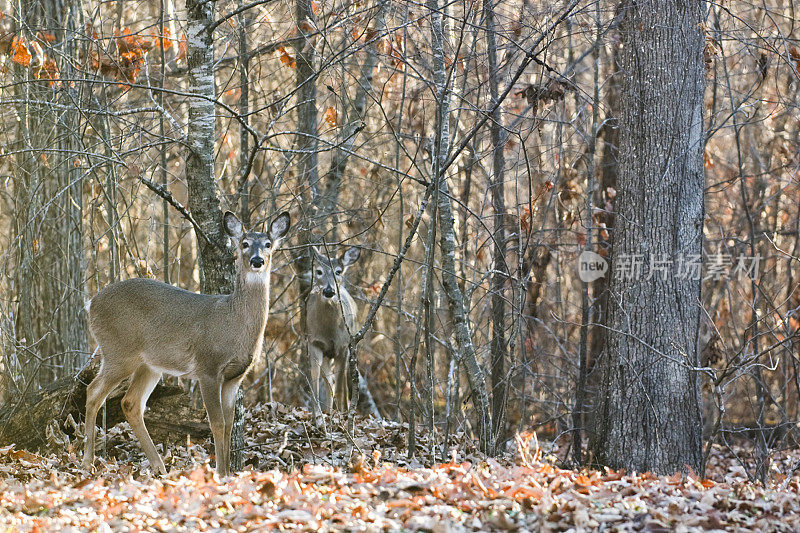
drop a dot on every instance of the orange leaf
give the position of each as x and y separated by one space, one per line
20 53
675 479
331 117
181 48
314 7
163 39
286 59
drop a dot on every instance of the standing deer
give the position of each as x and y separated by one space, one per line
330 317
146 328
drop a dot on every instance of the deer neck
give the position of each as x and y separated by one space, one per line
250 298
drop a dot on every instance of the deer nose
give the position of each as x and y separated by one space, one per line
328 291
257 262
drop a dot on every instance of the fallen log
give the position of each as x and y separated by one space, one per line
24 422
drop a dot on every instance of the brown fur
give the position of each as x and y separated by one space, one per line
329 323
147 328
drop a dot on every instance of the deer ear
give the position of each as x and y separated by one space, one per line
350 256
233 227
279 226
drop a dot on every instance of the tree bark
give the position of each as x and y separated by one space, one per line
306 142
455 298
500 275
217 271
609 171
215 257
649 405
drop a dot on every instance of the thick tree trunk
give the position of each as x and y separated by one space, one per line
217 272
649 407
306 142
215 257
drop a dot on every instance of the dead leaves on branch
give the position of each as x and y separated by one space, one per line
550 90
287 59
120 57
124 60
31 55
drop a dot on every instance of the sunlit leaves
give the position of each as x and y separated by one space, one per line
19 52
331 117
286 59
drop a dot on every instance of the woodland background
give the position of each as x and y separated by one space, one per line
328 109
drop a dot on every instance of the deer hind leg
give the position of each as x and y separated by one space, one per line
211 389
229 392
133 405
97 391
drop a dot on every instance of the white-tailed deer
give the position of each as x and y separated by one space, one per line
146 328
330 317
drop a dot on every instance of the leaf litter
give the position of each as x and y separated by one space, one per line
300 477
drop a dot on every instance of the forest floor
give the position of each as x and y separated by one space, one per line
300 478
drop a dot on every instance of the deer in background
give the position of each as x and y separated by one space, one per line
330 317
146 328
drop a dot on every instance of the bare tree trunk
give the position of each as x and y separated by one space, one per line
237 434
215 257
163 150
447 243
244 116
500 274
609 171
306 144
649 406
586 303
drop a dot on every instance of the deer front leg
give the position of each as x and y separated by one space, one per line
342 381
329 379
315 366
211 389
229 392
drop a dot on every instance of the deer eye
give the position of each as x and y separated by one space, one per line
319 272
338 271
245 245
268 244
